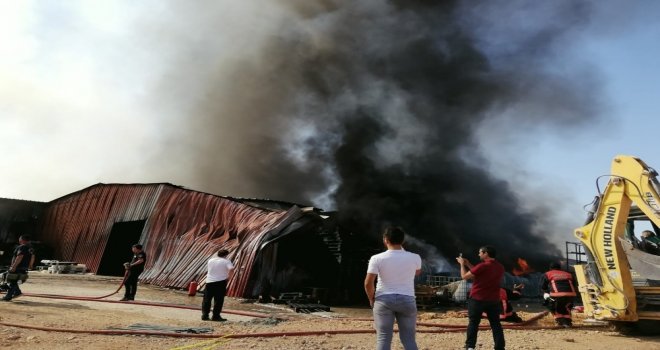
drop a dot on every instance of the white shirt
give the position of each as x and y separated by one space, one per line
218 269
396 271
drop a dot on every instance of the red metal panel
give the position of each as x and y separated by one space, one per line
78 226
187 228
183 230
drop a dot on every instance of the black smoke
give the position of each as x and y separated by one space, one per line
372 107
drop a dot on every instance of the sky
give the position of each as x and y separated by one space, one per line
622 51
95 92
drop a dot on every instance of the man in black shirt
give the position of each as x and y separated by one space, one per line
22 261
135 268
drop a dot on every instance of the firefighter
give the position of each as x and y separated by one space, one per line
134 269
506 294
508 315
558 294
22 261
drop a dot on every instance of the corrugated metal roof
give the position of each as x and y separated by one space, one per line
183 229
189 227
78 226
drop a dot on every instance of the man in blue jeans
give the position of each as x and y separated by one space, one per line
484 295
394 295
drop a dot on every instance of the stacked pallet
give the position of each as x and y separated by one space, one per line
300 302
426 296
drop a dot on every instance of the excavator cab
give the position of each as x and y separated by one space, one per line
644 262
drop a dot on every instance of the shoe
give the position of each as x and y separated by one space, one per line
6 299
17 295
124 299
205 318
219 319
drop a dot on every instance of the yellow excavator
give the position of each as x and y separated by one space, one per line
620 281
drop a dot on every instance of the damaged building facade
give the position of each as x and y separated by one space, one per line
276 246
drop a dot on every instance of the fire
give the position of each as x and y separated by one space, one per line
523 268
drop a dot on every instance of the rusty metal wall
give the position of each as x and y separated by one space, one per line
183 230
187 228
77 226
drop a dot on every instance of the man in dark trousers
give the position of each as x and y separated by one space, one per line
134 269
484 295
219 271
559 292
21 262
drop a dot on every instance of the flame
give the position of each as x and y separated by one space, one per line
523 268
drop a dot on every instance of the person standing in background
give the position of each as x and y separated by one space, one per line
22 261
219 271
484 295
394 295
558 293
134 269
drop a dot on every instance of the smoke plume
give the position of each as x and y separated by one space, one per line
376 108
371 107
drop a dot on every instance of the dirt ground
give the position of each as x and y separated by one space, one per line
90 315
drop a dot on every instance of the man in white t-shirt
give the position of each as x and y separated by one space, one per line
394 294
220 270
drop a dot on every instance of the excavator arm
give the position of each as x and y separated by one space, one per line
606 282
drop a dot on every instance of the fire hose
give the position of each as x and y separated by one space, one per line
133 302
57 296
444 325
445 328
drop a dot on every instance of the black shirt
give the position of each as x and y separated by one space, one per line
26 251
137 256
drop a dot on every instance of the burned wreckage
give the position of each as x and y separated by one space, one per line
277 247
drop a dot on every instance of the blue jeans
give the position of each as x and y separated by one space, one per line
402 308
